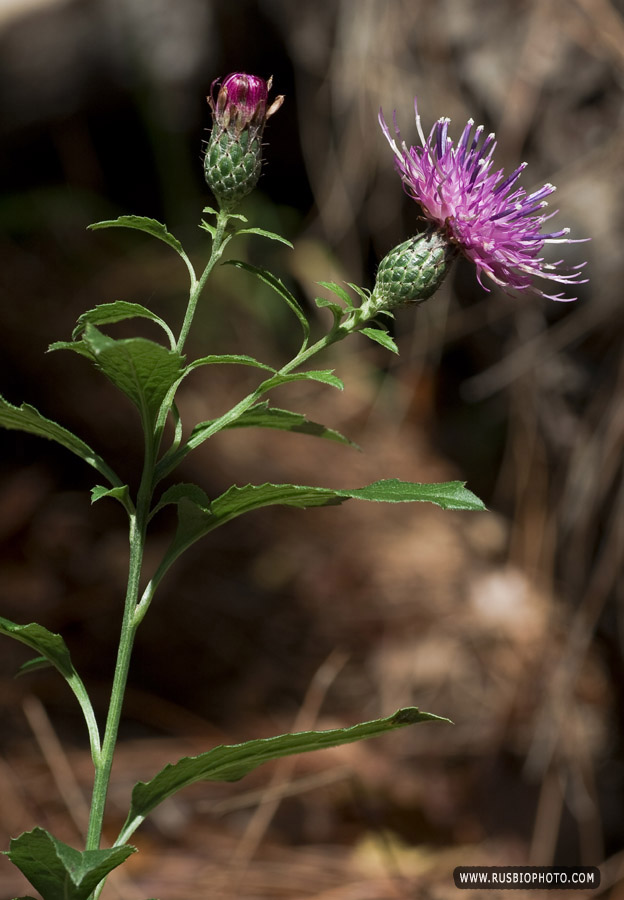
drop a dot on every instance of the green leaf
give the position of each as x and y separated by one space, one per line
49 645
267 234
233 358
264 416
337 311
231 762
52 647
27 418
58 871
381 337
362 293
279 288
196 518
448 495
325 376
238 500
33 665
338 290
141 223
182 493
142 369
211 229
117 493
119 311
75 346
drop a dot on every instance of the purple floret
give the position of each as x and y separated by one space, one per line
493 222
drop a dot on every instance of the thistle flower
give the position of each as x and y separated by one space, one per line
483 214
233 159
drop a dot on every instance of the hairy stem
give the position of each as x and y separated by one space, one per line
138 529
197 284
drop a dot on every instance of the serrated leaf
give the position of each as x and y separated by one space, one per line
232 358
232 762
336 310
325 376
182 493
75 346
58 871
338 290
279 287
119 311
238 500
196 519
211 229
141 223
117 493
448 495
27 418
381 337
264 416
362 293
142 369
267 234
211 211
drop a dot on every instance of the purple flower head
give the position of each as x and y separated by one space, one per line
491 221
241 103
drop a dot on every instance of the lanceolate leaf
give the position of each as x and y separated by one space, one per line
336 310
33 665
58 871
264 416
325 376
52 648
117 493
381 337
361 292
267 234
448 495
197 499
231 762
339 291
141 223
196 519
279 288
120 310
27 418
142 369
231 358
50 645
75 346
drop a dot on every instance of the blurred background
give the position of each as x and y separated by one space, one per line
508 622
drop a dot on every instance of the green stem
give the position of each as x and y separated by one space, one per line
138 527
128 630
171 460
197 285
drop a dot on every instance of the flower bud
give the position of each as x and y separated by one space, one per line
233 157
413 270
